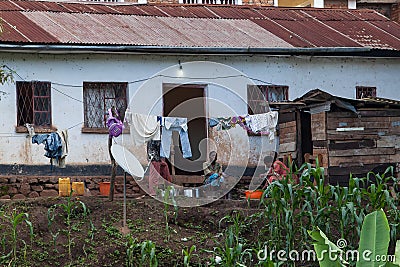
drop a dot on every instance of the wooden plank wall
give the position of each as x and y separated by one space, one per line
319 137
373 147
287 134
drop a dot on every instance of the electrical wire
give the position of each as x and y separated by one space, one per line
136 81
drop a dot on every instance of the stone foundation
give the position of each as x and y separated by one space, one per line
21 187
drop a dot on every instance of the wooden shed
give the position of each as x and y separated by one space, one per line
349 135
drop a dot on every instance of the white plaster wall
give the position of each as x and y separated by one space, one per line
338 76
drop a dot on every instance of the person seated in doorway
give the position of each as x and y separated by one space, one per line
275 170
212 170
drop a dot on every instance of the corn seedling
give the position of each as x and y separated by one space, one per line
187 255
70 208
169 199
141 254
13 221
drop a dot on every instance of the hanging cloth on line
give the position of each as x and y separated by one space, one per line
55 145
264 121
170 124
143 128
221 123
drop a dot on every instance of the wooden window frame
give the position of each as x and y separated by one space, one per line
264 96
101 86
370 91
31 102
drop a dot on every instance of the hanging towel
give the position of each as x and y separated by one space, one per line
171 124
264 121
143 127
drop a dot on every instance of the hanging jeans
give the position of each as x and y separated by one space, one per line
175 124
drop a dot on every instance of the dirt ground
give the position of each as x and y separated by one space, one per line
97 240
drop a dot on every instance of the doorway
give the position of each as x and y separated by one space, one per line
306 135
187 101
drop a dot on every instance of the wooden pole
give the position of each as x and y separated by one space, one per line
113 163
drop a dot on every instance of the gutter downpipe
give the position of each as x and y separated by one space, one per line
177 50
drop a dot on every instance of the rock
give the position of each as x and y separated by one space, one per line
33 181
20 179
136 189
44 180
49 186
25 189
49 193
37 188
12 191
5 197
53 180
19 196
92 186
33 194
12 180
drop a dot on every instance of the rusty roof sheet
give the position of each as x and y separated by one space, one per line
194 25
158 31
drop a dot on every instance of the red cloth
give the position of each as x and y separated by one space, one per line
158 169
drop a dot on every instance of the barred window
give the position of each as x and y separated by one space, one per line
34 103
258 96
365 91
98 97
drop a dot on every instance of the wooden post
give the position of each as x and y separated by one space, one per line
113 164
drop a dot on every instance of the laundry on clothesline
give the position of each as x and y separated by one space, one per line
169 125
55 145
143 128
264 123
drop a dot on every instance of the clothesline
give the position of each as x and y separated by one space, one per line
142 80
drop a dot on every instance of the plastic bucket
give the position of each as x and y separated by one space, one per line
254 194
78 188
64 187
104 188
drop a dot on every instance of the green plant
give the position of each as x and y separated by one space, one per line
70 209
13 220
168 200
141 254
187 255
232 253
373 245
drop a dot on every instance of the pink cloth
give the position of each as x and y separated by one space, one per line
158 169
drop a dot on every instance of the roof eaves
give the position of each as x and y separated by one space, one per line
177 49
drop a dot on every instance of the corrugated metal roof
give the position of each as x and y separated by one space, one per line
21 29
194 25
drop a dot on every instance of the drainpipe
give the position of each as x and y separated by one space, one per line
352 4
319 3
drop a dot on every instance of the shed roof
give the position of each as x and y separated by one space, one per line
196 26
318 97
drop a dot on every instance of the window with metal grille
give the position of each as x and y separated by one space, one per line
365 91
34 103
98 97
258 96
